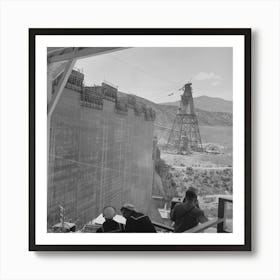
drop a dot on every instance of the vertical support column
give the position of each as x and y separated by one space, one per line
221 214
49 97
52 100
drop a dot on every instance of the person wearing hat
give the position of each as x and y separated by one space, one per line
136 221
110 225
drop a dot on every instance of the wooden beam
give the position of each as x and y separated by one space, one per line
202 227
83 53
54 49
162 226
56 69
68 68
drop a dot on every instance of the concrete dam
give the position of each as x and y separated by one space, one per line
100 152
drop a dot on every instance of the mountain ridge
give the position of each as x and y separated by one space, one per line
165 114
207 103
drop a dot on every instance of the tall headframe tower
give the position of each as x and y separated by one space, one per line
185 136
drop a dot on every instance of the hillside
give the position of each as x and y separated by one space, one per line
206 103
165 115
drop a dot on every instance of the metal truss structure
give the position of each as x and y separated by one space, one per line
185 135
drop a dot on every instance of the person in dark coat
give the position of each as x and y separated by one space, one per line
110 225
136 221
187 215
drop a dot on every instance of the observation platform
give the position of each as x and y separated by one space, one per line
221 224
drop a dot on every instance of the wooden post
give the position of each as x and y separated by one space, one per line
221 214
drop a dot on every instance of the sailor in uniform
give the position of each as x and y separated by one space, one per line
136 221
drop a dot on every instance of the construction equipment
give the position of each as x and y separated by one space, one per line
185 135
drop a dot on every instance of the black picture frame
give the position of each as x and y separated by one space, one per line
246 32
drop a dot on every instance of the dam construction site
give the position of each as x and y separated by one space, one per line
107 148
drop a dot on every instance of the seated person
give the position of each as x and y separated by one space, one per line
135 221
110 225
187 215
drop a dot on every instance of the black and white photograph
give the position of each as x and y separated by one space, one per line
142 143
139 140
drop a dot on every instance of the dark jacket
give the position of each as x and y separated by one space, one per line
186 216
111 226
139 222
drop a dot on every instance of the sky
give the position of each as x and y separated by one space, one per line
157 74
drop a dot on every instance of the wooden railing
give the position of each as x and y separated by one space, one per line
204 226
164 227
219 222
221 213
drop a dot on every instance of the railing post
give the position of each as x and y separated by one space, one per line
221 214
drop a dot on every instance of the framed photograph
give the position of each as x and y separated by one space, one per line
140 139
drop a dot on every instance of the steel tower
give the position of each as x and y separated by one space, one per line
184 135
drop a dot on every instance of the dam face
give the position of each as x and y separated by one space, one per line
97 157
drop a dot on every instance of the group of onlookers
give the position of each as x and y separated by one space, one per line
185 215
135 221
